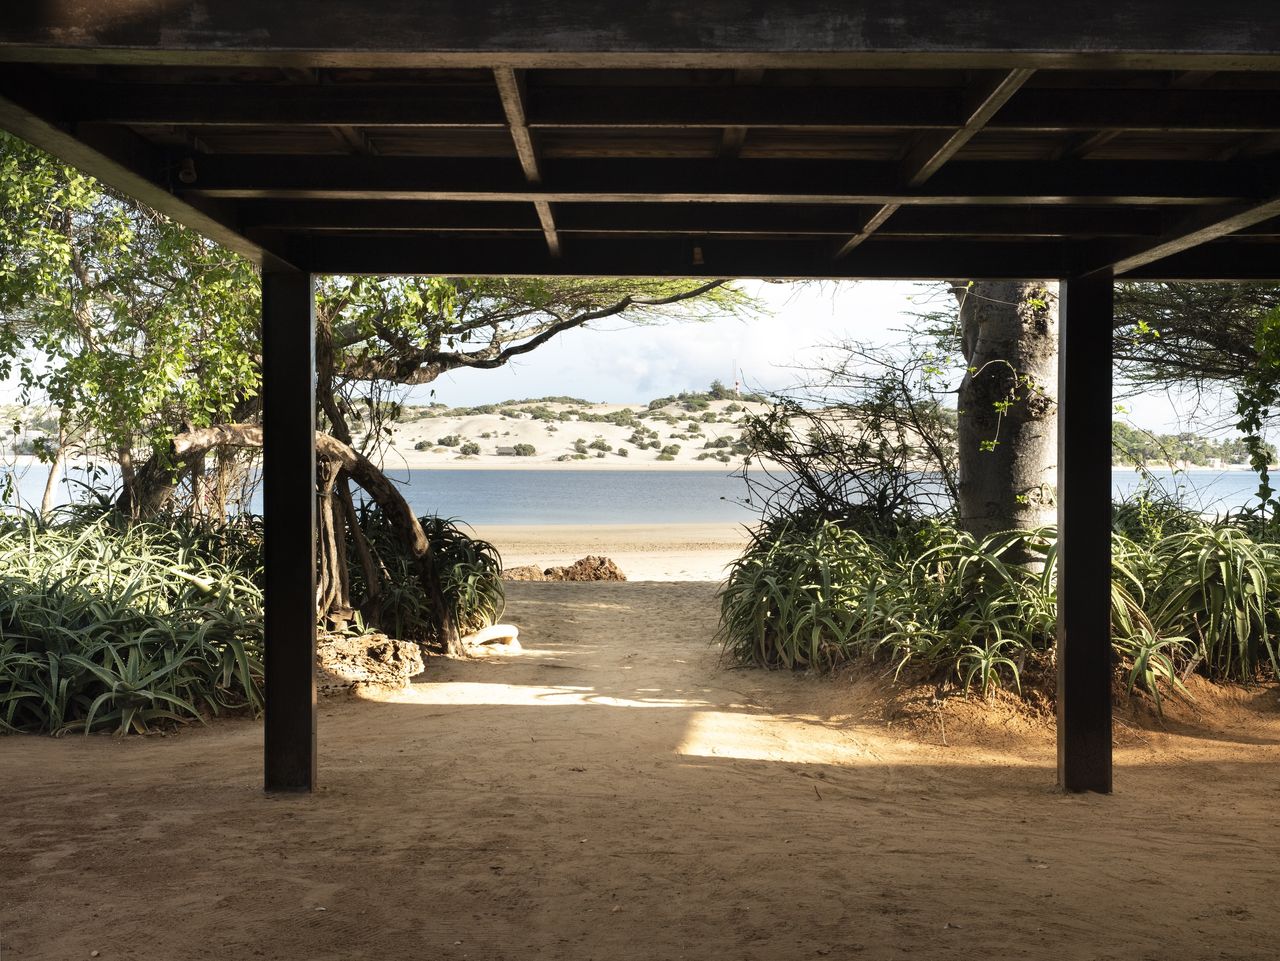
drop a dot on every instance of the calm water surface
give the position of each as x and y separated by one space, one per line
566 496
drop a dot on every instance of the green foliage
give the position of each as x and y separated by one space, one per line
450 440
1133 446
109 626
693 400
1257 395
524 450
128 322
470 575
1190 595
469 449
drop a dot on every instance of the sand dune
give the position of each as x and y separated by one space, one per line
561 442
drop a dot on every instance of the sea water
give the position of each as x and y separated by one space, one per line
569 496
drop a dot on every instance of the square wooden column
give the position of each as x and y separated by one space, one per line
1084 533
289 514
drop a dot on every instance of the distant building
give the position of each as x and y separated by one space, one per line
506 452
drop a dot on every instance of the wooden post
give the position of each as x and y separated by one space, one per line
289 512
1084 534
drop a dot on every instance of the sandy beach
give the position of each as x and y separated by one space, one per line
645 552
616 792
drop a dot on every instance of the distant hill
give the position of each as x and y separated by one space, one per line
690 429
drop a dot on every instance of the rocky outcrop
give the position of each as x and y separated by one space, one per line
372 662
589 568
528 572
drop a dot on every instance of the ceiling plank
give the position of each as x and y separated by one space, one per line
641 257
687 218
707 106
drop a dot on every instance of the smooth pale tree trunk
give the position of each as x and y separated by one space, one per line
1008 405
51 483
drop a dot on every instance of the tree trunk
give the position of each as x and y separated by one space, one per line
374 482
156 481
372 572
1008 405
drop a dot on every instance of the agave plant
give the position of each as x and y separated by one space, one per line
110 625
1186 593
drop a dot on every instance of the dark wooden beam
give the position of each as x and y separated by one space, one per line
932 151
289 516
277 104
734 134
1079 147
511 93
928 156
701 218
1141 34
659 257
1094 183
1085 671
121 159
943 111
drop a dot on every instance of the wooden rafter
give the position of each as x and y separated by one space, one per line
932 151
1200 228
511 91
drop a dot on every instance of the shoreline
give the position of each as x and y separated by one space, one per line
645 552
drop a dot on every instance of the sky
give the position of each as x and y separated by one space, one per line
614 362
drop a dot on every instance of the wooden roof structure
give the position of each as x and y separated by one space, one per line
726 138
787 139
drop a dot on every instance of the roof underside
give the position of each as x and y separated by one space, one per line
752 154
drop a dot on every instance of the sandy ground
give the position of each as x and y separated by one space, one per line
644 552
616 793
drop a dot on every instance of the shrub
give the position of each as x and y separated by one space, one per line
470 573
469 449
671 450
524 450
449 440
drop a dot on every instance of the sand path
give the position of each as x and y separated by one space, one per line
615 794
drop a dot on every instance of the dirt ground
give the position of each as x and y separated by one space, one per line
616 793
